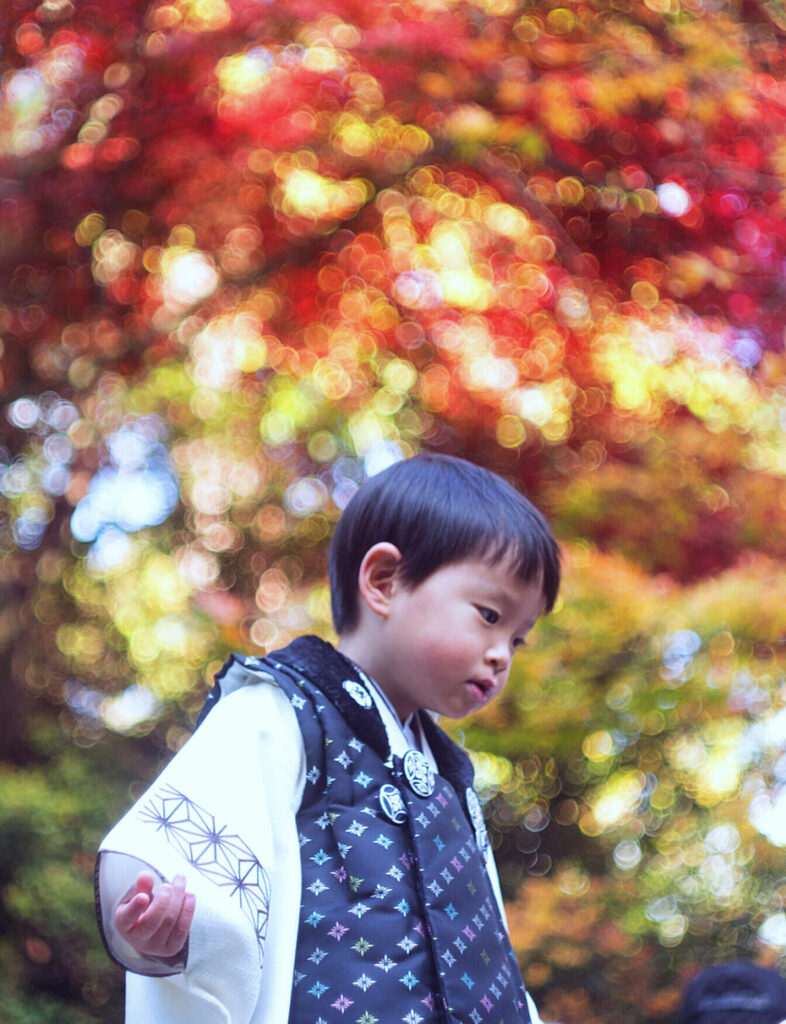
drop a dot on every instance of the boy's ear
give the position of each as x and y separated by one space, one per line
377 578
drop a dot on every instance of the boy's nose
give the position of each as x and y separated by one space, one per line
498 656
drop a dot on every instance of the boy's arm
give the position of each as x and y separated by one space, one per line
226 802
157 925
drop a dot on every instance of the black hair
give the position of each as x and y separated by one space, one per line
438 510
737 992
736 1017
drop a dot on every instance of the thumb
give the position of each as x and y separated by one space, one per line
143 886
145 883
130 909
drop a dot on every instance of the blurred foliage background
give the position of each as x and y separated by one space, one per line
253 251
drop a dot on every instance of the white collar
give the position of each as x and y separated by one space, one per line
402 736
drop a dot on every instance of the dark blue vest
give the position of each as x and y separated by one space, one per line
398 919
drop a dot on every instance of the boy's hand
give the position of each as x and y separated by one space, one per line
156 926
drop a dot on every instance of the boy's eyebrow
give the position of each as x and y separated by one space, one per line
499 593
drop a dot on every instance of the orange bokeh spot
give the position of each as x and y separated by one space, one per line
29 39
76 156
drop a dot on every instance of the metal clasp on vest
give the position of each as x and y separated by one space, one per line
392 805
419 773
358 693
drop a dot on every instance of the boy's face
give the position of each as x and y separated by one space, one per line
449 641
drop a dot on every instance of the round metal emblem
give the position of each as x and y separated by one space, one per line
392 805
358 693
419 773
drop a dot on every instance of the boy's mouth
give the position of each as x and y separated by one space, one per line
481 687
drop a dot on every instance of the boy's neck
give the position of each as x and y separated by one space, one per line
355 647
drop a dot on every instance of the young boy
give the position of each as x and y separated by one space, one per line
337 864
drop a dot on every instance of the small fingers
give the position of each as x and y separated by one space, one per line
163 927
154 917
145 883
128 913
179 934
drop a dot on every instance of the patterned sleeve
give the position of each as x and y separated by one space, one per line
223 814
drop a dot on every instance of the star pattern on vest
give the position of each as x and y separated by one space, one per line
217 854
433 949
464 948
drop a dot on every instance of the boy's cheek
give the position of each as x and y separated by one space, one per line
438 650
445 663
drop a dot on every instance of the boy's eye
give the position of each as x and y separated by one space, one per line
519 642
489 615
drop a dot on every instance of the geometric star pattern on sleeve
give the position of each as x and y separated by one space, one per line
217 854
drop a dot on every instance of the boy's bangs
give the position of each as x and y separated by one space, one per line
530 553
523 561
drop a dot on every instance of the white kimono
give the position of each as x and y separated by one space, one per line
223 813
